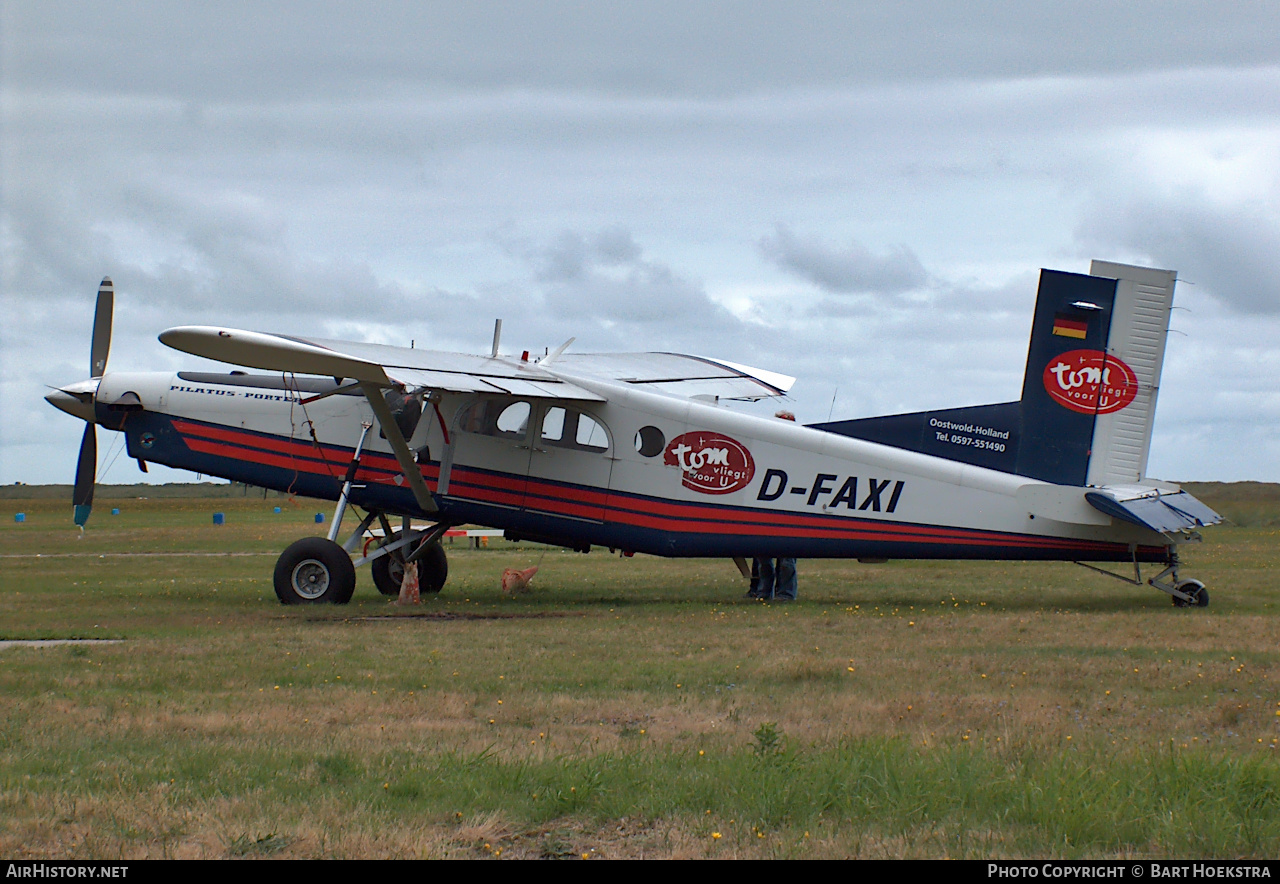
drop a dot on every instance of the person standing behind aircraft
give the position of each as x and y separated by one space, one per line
774 578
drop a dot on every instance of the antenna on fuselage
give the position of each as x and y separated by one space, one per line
497 337
555 354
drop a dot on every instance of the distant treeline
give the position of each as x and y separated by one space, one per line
1248 504
133 492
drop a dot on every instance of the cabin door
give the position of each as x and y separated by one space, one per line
490 453
569 464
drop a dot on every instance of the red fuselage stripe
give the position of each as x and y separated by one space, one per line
299 457
625 509
699 518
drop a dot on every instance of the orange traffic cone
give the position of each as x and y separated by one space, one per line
409 585
514 581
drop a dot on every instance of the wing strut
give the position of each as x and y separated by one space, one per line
404 456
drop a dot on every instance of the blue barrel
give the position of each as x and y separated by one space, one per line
219 518
276 510
319 518
19 517
115 511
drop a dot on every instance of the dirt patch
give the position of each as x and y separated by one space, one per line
52 642
458 615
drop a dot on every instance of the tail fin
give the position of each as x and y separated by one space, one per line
1088 395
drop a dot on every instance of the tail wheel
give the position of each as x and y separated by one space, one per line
1195 589
314 571
433 570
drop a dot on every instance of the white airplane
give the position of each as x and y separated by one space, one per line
634 451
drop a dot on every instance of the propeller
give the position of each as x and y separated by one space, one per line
86 468
100 346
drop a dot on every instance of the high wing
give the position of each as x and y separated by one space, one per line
375 367
679 375
669 373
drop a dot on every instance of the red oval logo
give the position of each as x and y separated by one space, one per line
711 463
1090 382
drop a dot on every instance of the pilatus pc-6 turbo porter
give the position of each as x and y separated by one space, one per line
634 451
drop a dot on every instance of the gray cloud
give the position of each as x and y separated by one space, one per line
604 277
215 51
404 173
1228 251
854 268
572 255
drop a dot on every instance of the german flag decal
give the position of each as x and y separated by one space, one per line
1070 327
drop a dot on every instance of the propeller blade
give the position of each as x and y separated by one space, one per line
102 328
86 469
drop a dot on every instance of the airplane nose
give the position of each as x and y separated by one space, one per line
74 401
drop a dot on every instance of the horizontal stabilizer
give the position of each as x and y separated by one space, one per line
1152 508
1062 503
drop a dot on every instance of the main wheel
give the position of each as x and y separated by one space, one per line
1195 589
314 571
388 570
433 570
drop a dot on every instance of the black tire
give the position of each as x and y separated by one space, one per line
433 570
314 571
1195 589
387 572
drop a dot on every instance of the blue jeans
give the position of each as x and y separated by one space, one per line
772 578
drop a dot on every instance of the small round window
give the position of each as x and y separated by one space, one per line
650 441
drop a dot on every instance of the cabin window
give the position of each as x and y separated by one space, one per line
495 417
650 441
591 435
553 425
514 420
566 428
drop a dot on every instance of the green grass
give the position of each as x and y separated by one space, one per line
626 707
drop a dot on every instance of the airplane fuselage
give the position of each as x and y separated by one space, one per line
640 471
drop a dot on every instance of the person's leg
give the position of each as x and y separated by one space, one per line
753 586
785 582
764 589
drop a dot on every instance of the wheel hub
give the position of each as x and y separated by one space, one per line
310 579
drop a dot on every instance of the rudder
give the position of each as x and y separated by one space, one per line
1139 332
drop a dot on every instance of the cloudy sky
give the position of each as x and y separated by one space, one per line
860 194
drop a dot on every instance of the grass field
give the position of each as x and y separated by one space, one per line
626 707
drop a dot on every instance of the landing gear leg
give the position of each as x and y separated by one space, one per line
316 570
1185 593
348 483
